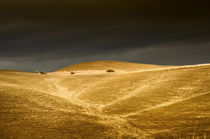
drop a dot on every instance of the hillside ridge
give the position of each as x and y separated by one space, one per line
108 64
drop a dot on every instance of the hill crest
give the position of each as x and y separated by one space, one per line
109 64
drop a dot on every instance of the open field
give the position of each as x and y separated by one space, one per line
135 101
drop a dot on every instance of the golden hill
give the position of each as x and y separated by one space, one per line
143 101
109 64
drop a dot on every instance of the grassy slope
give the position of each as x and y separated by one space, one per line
177 105
29 108
156 103
108 64
132 94
30 114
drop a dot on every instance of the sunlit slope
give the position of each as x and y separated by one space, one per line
179 107
187 118
143 90
143 103
108 64
30 108
138 90
29 114
166 102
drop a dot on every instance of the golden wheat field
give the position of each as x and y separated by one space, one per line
85 101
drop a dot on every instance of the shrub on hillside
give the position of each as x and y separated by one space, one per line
42 73
110 70
39 72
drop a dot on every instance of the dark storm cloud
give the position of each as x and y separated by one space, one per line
91 9
47 35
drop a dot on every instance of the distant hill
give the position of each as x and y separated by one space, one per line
109 64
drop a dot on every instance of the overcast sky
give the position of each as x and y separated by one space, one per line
51 34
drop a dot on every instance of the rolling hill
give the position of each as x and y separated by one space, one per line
135 101
109 64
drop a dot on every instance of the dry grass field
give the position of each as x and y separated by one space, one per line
135 101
